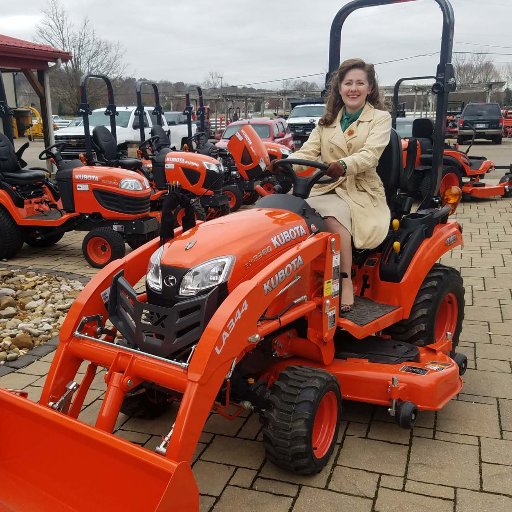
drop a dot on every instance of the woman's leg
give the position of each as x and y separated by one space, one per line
347 289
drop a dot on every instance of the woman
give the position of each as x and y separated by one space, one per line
351 137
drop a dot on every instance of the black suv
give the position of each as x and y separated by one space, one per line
485 118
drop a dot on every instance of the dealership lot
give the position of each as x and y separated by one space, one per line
459 459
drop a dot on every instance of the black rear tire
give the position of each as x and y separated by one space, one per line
504 179
103 245
498 139
31 238
250 197
135 241
441 292
11 236
301 400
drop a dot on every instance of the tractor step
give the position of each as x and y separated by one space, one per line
366 311
375 350
48 215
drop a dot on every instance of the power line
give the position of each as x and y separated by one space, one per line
489 45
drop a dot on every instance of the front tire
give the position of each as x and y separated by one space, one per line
302 421
437 309
145 403
136 241
10 235
234 195
103 245
498 139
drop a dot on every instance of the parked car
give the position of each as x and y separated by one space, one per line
485 118
272 130
127 130
174 118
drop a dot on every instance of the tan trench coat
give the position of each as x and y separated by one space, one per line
360 146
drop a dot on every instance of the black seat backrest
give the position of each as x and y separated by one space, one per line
8 160
390 167
105 142
423 130
163 139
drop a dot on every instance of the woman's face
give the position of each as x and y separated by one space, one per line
354 88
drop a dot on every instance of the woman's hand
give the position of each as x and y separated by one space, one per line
336 170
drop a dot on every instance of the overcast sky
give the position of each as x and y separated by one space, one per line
254 41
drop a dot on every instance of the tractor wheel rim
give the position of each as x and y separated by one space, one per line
324 426
447 317
268 187
450 179
231 198
99 250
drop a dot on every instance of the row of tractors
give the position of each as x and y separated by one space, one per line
239 313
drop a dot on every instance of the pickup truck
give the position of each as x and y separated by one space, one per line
302 120
127 130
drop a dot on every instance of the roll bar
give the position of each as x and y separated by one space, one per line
396 89
139 112
444 79
5 112
85 111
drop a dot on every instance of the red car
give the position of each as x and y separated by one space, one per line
272 130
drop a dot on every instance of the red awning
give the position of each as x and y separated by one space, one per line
20 54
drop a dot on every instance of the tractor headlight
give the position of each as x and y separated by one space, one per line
206 275
214 167
154 273
130 184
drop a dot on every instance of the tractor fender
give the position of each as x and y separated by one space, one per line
449 160
10 200
444 238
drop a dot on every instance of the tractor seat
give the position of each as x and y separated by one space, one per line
106 145
105 142
10 168
423 131
390 167
163 139
131 164
23 177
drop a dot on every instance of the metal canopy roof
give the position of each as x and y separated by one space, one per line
20 54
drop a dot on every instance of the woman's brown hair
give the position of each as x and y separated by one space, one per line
334 103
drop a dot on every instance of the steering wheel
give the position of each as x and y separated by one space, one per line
48 154
149 142
302 185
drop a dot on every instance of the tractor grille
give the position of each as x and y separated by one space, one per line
302 129
122 203
75 144
158 330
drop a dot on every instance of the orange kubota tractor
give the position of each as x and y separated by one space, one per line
111 204
242 312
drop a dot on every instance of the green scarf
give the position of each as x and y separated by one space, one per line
347 119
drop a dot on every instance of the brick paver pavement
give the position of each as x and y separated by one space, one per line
456 460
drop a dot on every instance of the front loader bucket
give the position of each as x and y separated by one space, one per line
50 462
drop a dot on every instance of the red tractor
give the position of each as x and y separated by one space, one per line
242 313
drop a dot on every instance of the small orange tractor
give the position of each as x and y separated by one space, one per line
459 168
242 313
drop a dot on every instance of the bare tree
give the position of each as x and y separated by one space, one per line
475 68
213 80
91 54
